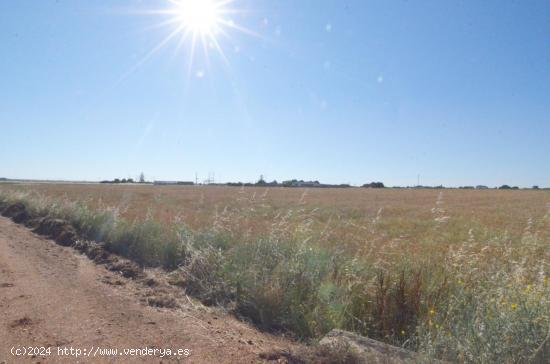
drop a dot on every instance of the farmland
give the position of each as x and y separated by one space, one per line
342 214
457 274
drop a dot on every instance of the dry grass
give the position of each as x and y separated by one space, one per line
458 274
343 213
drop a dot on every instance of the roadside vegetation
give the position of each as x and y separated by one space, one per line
459 287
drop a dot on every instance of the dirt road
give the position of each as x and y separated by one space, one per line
51 296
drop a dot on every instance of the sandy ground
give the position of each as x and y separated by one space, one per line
51 296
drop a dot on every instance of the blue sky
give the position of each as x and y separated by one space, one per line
339 91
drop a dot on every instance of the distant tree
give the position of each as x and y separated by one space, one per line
116 180
123 180
535 187
505 187
130 180
141 178
374 185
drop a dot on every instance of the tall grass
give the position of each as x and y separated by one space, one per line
462 292
146 242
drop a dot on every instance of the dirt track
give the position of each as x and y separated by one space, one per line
51 296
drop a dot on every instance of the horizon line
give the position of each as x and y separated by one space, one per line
269 184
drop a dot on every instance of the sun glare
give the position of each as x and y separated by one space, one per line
194 23
204 22
199 16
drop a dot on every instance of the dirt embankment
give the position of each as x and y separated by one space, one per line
50 296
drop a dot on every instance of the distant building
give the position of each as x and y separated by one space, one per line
308 184
173 183
314 184
301 183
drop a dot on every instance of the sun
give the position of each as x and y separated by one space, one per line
200 17
194 23
202 22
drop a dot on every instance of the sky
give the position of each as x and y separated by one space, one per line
448 92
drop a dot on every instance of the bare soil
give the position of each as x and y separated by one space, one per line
52 296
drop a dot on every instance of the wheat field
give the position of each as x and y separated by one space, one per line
460 275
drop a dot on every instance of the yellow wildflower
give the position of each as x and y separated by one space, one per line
514 306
